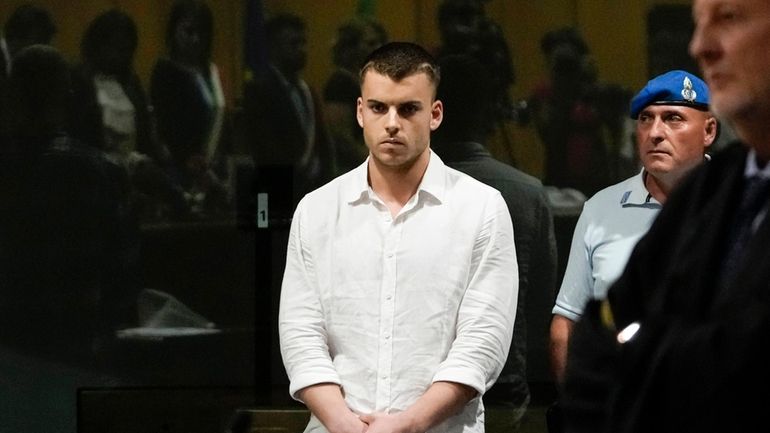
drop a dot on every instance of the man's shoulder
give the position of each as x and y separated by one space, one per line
511 182
469 186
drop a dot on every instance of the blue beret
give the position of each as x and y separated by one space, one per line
672 88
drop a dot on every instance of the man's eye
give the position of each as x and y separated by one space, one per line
408 110
725 14
675 118
377 108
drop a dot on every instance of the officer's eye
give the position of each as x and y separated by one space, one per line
674 118
645 118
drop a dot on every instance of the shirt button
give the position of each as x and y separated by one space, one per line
390 255
388 298
387 337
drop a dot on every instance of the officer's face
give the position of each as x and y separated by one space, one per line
672 139
398 117
731 43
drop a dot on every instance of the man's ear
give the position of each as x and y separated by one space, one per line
360 111
712 126
436 114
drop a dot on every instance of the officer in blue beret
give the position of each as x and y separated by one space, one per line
673 130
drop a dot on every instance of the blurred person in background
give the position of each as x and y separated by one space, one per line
27 25
578 118
283 114
189 106
356 38
110 111
467 93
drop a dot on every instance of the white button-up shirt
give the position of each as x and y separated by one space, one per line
386 306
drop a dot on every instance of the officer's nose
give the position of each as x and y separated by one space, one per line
657 130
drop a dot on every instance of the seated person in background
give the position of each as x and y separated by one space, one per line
674 128
110 110
467 94
189 106
68 251
356 38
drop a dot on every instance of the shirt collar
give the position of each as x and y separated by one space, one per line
433 181
636 194
752 169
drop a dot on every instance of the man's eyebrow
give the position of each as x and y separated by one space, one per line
668 110
400 104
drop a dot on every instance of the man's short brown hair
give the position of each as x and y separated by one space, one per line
398 60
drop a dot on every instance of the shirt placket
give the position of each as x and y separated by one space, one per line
392 230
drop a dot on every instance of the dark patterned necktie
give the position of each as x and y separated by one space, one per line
755 196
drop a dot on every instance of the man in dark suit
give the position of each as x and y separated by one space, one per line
284 126
467 96
681 339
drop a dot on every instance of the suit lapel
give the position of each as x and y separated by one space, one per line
700 253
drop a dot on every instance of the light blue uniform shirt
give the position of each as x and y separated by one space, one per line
611 223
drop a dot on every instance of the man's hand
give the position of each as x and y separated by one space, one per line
389 423
349 423
440 401
325 401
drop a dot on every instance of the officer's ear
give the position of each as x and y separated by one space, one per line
712 131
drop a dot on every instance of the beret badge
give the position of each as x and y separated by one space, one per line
687 91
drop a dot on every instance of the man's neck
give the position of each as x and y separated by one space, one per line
754 131
658 187
396 185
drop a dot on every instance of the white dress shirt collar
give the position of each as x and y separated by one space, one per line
433 182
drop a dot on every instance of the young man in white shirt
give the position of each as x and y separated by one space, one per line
398 299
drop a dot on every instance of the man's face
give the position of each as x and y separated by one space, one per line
672 139
731 43
398 117
291 49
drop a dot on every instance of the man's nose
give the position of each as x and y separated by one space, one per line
392 121
702 45
657 130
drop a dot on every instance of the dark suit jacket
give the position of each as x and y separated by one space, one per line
182 116
535 254
696 356
275 134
